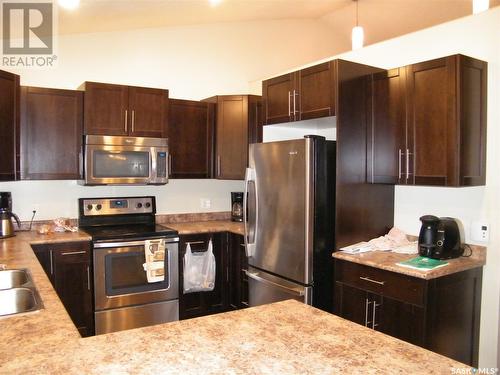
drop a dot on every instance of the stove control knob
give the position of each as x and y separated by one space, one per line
98 207
148 204
139 205
89 207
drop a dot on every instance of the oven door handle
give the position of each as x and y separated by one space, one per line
107 245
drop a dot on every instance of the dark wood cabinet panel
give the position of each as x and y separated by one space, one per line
316 91
238 123
9 125
106 109
190 133
204 303
148 112
238 280
386 151
68 267
51 133
441 139
444 318
277 96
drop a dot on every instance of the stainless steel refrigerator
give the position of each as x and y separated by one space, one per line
289 221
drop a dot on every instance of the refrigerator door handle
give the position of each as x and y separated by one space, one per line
249 212
256 277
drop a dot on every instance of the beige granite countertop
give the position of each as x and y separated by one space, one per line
387 260
212 226
286 337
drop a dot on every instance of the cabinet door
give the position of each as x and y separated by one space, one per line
148 112
238 264
232 137
315 96
387 133
278 95
402 320
203 303
51 134
9 125
43 255
432 119
190 131
352 304
106 109
72 283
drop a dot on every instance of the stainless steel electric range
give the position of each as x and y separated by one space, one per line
135 263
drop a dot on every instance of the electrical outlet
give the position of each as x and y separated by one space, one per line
480 231
205 203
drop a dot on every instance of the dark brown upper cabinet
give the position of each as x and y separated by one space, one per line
125 110
302 95
9 125
51 133
429 124
238 123
191 135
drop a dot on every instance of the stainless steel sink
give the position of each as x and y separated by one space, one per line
18 293
13 279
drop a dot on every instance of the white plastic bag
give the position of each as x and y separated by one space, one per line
199 270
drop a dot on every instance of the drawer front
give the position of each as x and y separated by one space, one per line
390 284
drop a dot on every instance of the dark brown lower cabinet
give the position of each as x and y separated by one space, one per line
440 314
231 284
238 264
196 304
68 267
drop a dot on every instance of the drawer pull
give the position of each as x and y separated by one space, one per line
74 253
372 281
195 243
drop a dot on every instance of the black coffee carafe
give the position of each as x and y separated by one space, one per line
6 215
440 237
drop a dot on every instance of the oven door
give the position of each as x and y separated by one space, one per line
120 278
107 164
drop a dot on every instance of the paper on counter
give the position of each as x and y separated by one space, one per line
360 247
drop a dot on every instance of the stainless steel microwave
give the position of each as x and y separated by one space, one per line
113 160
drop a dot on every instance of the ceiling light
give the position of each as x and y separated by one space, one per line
358 34
214 2
479 6
69 4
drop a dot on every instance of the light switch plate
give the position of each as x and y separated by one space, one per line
480 231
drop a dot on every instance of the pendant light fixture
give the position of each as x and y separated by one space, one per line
358 34
479 6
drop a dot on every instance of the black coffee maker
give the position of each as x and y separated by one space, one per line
440 237
237 206
6 215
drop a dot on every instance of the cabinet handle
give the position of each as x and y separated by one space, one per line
126 121
289 104
294 105
88 278
400 154
372 281
374 316
170 164
195 242
218 165
74 253
51 263
367 304
133 120
407 164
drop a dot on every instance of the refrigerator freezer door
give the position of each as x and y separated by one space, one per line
266 288
283 188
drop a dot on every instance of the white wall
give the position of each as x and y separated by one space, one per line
476 36
193 62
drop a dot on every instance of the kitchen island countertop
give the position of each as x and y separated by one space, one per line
286 337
